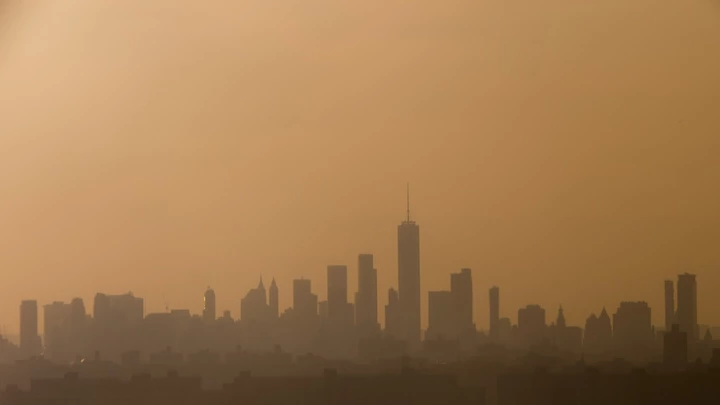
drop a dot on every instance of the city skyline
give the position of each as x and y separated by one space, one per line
213 146
679 304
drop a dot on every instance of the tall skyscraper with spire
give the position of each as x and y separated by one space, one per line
409 278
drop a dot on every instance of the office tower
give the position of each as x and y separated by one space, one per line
274 300
56 328
531 325
393 322
323 310
125 308
504 330
566 338
117 323
254 307
687 306
366 297
675 347
632 329
598 334
336 289
78 327
29 338
494 313
409 279
669 305
305 303
462 293
209 310
442 318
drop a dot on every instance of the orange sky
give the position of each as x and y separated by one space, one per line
566 151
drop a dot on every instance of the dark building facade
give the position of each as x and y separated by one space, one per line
687 305
209 307
409 281
441 319
494 314
366 300
675 348
30 344
669 305
462 291
632 330
532 327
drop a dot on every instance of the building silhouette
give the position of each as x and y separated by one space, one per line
494 314
675 347
669 305
209 308
566 338
531 325
451 313
336 289
687 306
442 318
393 316
56 327
366 300
598 334
409 280
462 293
305 303
79 327
254 307
30 344
340 311
632 330
274 302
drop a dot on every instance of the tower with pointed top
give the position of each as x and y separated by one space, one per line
254 307
274 300
560 322
409 279
261 290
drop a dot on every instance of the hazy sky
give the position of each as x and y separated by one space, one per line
567 151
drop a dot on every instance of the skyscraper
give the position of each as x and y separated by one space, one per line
409 279
56 328
598 334
632 329
494 313
209 310
393 322
687 306
531 325
462 292
441 316
254 307
336 288
30 344
669 305
305 303
366 297
274 300
340 312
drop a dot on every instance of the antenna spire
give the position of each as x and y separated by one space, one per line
408 201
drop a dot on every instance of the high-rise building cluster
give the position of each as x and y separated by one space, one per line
342 328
